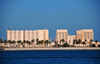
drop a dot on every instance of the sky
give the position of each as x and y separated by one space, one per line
72 15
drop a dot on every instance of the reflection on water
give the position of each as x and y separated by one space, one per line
51 57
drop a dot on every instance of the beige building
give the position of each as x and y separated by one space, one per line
28 35
71 38
61 34
84 34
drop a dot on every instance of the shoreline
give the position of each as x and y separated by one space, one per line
59 48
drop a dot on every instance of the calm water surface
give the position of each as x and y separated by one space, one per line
51 57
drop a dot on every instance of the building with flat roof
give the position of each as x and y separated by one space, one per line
71 38
61 34
28 35
84 34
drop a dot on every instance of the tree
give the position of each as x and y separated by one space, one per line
42 42
37 40
96 41
80 41
47 41
32 40
93 45
57 45
5 41
9 41
85 40
83 43
62 40
77 41
74 41
24 42
1 41
28 42
55 42
13 42
65 45
98 45
91 40
19 42
90 44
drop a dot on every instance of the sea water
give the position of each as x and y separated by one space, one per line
50 57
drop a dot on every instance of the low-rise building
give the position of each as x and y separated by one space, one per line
71 39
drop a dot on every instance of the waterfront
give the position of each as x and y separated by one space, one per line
50 57
51 48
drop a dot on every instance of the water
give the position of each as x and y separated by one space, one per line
51 57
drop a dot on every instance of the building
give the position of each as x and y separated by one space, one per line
28 35
61 34
84 34
71 38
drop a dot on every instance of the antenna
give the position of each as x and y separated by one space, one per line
8 29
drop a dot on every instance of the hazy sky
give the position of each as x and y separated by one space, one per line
50 14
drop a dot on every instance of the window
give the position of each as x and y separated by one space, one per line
19 35
32 35
91 35
10 35
88 35
14 35
36 34
44 35
24 35
28 35
62 35
85 34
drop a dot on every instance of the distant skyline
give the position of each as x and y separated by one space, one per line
50 14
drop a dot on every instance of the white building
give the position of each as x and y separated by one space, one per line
28 35
61 34
84 34
71 38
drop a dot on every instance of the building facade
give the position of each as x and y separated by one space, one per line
71 38
61 34
84 34
28 35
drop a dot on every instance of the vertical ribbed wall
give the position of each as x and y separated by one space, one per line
28 35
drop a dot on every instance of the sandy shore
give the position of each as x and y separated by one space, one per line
66 48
